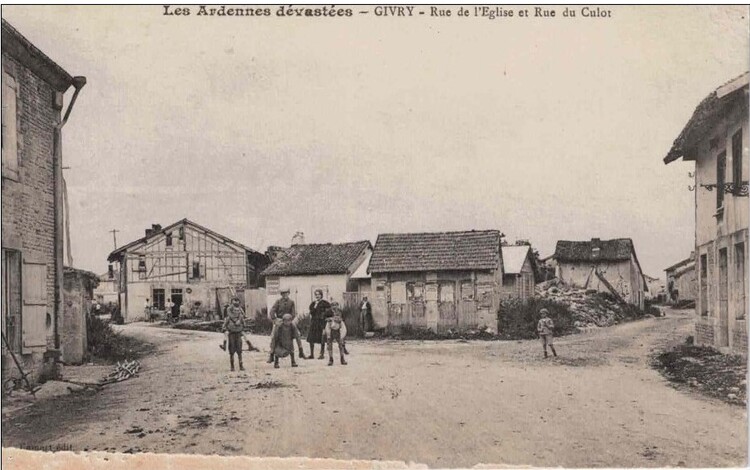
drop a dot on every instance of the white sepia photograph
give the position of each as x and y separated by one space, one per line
375 236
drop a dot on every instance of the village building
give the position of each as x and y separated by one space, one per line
603 265
304 268
518 277
682 285
32 230
184 263
106 293
715 138
437 281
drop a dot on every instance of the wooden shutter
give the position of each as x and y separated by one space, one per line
10 129
34 314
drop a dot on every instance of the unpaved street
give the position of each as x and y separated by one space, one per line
439 403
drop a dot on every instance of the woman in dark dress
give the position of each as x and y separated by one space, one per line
318 310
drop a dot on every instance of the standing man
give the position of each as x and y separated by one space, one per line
147 311
365 314
281 307
544 328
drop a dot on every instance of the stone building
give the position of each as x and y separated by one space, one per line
32 225
715 138
682 285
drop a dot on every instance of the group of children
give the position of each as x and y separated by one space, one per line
285 333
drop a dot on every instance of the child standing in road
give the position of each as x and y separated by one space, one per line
335 330
544 328
283 341
235 306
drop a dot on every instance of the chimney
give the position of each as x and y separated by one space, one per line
156 227
596 240
298 239
149 232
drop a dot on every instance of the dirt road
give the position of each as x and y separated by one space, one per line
444 404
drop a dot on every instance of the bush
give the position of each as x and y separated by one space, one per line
105 343
517 319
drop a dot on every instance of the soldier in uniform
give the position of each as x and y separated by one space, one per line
281 307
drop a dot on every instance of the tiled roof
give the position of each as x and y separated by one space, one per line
400 252
311 259
609 250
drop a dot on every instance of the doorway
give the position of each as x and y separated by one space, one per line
723 339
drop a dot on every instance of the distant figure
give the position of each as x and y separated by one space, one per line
168 306
182 310
365 314
544 328
281 307
147 311
283 340
335 331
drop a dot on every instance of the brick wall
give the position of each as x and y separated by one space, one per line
28 204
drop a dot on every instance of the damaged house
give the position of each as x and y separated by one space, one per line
33 116
681 283
715 138
438 281
518 277
603 265
184 263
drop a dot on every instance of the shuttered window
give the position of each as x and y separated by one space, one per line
10 128
34 316
737 159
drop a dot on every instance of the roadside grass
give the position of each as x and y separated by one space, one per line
108 346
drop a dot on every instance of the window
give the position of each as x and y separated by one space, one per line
737 159
739 264
141 263
158 296
11 263
704 286
168 238
414 292
10 128
721 178
196 270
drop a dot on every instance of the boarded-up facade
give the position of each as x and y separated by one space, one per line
185 263
438 281
604 265
518 265
715 138
33 87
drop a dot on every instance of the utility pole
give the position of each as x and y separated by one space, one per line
114 236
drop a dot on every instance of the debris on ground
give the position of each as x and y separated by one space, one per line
268 385
122 371
591 308
199 325
705 370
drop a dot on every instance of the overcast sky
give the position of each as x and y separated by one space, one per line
546 129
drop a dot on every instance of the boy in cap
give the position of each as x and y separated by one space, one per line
544 328
234 310
335 330
281 307
283 341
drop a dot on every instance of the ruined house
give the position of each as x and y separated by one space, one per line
604 265
682 286
518 277
32 189
438 281
715 138
303 268
184 263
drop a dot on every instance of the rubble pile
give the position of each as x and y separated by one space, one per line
589 308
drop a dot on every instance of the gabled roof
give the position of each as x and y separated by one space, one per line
401 252
682 263
314 259
619 249
514 256
115 254
21 49
361 271
715 106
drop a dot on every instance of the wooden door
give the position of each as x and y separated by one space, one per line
447 318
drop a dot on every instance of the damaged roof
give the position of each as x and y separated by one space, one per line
619 249
442 251
313 259
714 107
